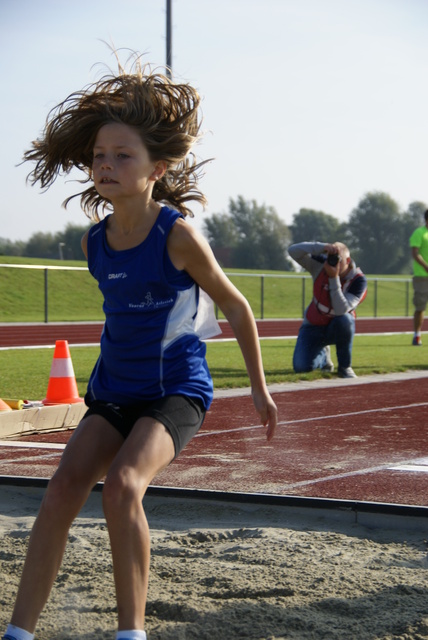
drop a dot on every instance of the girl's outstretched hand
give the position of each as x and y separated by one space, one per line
267 410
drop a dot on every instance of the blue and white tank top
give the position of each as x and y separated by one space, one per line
151 343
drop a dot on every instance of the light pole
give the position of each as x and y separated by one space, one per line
168 38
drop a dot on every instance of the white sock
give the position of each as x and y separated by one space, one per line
133 634
18 633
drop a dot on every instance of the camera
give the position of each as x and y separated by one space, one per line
333 259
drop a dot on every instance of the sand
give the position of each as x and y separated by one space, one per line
226 571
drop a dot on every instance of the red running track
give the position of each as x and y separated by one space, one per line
362 440
16 335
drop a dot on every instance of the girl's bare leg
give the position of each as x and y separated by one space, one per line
86 459
147 450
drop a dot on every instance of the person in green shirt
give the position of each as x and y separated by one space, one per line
419 246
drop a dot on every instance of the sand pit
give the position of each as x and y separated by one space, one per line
232 571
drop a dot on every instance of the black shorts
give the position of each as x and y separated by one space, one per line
181 415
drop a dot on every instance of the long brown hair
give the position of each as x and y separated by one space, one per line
165 114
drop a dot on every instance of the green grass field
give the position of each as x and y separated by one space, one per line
24 373
74 295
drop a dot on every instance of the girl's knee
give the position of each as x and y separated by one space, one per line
63 495
121 490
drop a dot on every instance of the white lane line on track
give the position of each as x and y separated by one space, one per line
419 464
17 461
405 465
332 416
358 413
410 468
232 339
31 445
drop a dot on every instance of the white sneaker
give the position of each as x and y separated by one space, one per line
347 372
329 366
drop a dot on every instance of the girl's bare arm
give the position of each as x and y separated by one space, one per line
188 250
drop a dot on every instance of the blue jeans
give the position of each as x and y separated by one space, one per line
309 352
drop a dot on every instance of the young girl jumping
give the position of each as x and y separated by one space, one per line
149 391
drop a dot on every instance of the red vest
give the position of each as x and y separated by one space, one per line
320 311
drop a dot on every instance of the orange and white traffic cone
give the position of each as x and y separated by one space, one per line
62 386
4 406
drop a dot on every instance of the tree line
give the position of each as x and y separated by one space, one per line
63 245
377 233
253 236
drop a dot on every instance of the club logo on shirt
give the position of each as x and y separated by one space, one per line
150 302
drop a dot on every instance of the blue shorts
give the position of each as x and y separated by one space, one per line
181 415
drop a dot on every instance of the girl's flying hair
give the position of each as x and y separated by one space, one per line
164 113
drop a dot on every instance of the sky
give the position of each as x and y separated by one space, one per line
306 103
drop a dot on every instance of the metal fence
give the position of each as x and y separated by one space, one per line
386 297
52 293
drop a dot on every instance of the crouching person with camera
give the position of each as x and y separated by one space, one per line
338 288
